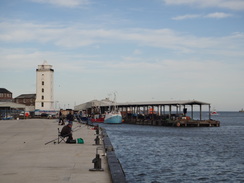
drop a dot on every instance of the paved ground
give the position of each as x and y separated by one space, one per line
24 157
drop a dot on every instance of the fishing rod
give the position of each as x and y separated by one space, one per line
74 130
51 141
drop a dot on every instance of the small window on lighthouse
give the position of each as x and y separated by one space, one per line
42 104
42 97
42 82
42 89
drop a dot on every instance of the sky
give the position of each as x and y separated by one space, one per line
142 50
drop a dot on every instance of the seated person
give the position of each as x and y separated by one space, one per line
67 132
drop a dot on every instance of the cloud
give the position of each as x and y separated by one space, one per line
64 3
186 17
137 52
227 4
76 36
217 15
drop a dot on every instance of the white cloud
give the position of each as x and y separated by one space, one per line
77 36
228 4
186 17
218 15
137 52
64 3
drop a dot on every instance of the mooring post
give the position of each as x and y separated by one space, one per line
97 140
97 161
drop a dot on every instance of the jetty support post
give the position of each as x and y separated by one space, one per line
164 109
200 112
191 111
209 108
170 111
160 110
177 109
153 112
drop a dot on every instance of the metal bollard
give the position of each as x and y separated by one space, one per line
97 141
97 130
97 163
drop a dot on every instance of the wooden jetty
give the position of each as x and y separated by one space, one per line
155 113
175 123
181 113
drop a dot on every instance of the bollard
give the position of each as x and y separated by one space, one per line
97 130
97 164
97 141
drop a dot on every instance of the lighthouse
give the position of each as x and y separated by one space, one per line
44 89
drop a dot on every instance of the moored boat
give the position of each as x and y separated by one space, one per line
113 117
214 112
241 110
97 119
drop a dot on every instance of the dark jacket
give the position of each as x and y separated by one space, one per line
70 117
66 131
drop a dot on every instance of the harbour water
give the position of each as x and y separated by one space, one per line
155 154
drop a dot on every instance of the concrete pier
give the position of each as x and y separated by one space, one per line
24 157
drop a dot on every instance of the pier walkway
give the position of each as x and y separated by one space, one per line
24 157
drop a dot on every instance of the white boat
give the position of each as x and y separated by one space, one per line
113 116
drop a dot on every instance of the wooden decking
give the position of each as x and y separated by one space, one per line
175 123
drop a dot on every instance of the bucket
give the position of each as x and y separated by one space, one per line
80 141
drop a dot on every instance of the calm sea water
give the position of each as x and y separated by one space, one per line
153 154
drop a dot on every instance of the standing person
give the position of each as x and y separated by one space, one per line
67 132
70 117
61 119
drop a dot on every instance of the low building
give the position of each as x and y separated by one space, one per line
5 95
95 106
26 99
10 110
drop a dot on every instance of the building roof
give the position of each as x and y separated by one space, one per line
93 103
3 90
105 103
173 102
26 96
12 105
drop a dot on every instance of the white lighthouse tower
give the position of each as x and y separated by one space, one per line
44 89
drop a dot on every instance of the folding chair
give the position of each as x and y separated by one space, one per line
60 137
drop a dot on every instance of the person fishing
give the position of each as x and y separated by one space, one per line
67 132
